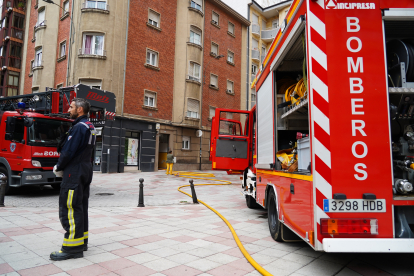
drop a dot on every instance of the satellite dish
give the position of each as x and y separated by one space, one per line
199 133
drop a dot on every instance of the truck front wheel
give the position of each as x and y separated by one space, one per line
273 218
251 203
4 171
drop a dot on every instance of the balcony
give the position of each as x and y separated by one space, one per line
262 58
15 4
95 6
17 33
256 55
255 29
92 53
269 34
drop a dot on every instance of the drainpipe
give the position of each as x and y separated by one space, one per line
202 84
125 59
70 44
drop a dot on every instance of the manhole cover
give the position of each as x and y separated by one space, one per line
104 194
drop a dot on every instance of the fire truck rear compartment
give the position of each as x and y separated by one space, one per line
399 39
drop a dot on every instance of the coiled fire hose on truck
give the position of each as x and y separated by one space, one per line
196 175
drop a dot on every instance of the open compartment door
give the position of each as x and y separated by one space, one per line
231 140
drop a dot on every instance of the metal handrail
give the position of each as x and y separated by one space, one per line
39 24
90 51
95 5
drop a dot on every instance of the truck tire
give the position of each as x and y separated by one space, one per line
55 186
5 172
273 218
251 203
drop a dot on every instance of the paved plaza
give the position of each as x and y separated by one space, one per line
169 236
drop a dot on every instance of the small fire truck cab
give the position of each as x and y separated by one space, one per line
330 144
31 127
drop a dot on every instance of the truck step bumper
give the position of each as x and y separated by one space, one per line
369 245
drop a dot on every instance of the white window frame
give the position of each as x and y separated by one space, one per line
94 35
230 56
212 76
192 75
62 53
195 36
197 4
193 114
151 21
93 83
186 142
231 91
228 28
38 61
148 98
152 58
95 5
215 20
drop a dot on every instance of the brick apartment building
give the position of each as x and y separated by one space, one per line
170 64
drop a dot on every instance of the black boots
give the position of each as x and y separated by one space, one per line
60 255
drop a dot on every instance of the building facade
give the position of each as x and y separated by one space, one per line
170 64
265 24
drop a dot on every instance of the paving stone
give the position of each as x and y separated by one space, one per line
160 264
203 265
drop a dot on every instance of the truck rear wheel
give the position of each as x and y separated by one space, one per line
4 171
273 218
251 203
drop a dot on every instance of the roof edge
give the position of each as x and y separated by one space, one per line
240 17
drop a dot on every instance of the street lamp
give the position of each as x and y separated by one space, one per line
201 98
51 2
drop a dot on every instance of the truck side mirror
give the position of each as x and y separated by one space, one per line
10 124
28 122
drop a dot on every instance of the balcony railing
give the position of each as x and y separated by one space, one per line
37 63
192 114
255 54
189 77
92 52
17 33
255 29
95 5
40 24
269 34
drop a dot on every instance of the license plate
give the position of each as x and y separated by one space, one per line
354 205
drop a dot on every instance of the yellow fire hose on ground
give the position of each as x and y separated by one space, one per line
196 175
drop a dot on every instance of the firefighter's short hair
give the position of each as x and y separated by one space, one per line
80 102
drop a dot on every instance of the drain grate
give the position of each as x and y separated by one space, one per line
104 194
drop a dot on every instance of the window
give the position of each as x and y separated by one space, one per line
230 88
15 50
62 49
60 85
195 35
18 21
231 28
263 24
66 6
255 19
92 83
186 142
255 44
152 58
154 18
38 57
1 51
253 97
35 90
214 48
93 44
193 107
13 79
212 112
41 18
263 50
215 18
275 24
254 69
149 99
31 66
197 4
230 57
213 80
194 71
101 5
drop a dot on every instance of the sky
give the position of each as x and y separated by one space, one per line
241 5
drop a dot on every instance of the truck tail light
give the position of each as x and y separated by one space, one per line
333 226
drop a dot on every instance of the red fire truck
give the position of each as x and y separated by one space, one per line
328 149
31 127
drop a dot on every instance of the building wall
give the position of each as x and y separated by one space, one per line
140 77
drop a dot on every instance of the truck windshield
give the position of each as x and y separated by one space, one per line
47 132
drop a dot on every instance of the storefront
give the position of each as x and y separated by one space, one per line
132 149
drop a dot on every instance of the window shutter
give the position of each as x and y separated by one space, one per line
149 94
231 28
153 16
230 86
41 16
255 44
255 19
212 112
198 2
192 105
213 80
191 69
214 48
215 17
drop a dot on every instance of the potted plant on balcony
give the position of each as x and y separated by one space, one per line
20 5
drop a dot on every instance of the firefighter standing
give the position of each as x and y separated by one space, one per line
75 162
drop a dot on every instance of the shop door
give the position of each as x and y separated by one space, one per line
97 160
163 150
132 149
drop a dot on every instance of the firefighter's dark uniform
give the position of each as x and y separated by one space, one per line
76 163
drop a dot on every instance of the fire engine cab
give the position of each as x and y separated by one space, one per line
328 149
31 127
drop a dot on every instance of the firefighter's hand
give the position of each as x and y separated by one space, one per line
57 173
